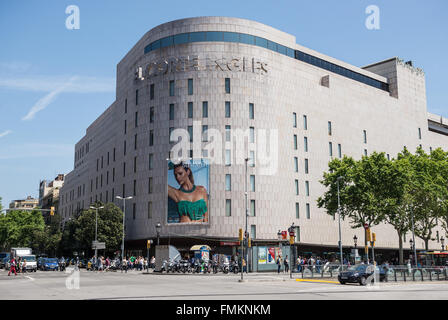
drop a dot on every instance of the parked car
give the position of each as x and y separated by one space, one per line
360 274
4 256
50 264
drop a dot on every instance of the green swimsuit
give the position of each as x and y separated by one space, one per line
195 210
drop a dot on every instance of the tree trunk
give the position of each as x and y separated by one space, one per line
400 248
426 244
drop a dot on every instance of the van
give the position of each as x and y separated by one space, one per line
25 254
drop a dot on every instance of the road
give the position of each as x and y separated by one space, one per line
135 285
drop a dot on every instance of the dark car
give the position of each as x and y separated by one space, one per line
4 257
360 274
49 264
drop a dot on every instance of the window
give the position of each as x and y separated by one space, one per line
305 143
339 150
150 185
329 128
135 164
365 136
171 88
190 133
294 120
308 214
227 85
296 164
149 210
97 164
253 231
171 111
388 157
151 92
420 133
252 158
297 234
305 123
297 211
151 138
113 174
125 126
306 166
107 179
297 186
365 152
330 148
124 190
124 148
251 111
307 188
205 109
252 183
169 134
227 109
252 208
190 110
136 97
228 182
228 158
136 119
150 161
151 115
228 133
204 133
295 142
113 194
251 135
133 210
107 158
190 87
124 169
135 188
228 207
114 155
135 142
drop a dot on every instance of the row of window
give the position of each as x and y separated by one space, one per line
223 36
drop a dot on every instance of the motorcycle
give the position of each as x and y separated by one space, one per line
234 267
215 266
197 267
207 266
225 267
62 266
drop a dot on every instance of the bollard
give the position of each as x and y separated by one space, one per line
404 275
430 275
395 275
413 275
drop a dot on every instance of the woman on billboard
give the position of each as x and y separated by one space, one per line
191 200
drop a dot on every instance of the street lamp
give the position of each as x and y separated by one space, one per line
355 253
442 240
124 215
339 212
158 227
96 230
355 240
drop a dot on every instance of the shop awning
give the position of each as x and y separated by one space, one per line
199 247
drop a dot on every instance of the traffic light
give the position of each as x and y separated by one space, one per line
291 240
374 237
148 244
249 242
368 235
241 234
51 211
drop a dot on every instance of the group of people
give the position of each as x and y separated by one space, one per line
282 262
17 265
137 263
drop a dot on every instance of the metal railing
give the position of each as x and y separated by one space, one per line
393 273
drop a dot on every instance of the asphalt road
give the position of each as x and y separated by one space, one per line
134 285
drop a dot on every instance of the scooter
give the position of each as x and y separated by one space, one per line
234 267
62 266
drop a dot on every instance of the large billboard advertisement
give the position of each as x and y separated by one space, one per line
188 191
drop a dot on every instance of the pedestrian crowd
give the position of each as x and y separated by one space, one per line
17 266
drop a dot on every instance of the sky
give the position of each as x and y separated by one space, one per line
54 82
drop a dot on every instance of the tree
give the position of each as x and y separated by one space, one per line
17 228
109 227
363 200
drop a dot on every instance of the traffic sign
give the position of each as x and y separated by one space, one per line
284 235
98 245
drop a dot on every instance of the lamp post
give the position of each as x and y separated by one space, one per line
355 241
442 240
292 249
158 227
411 243
96 229
339 212
413 237
124 215
279 237
247 214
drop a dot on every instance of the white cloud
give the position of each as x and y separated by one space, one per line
49 98
48 84
34 150
5 133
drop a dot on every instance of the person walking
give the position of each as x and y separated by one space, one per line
12 267
286 263
152 262
279 264
124 265
24 266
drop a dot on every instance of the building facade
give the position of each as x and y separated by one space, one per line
245 79
28 203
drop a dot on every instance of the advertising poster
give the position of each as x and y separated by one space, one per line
188 191
261 255
271 255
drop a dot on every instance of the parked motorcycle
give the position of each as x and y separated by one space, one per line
234 267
